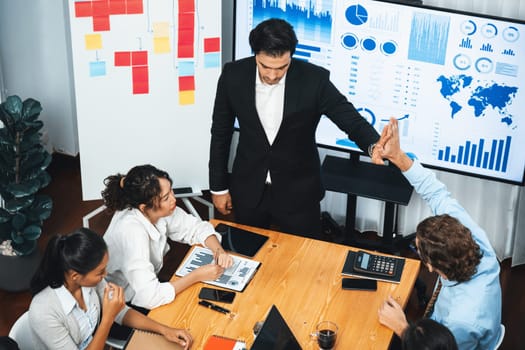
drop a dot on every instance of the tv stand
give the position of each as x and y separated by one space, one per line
357 178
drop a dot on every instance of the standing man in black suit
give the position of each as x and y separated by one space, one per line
278 102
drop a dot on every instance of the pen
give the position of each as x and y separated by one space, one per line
213 306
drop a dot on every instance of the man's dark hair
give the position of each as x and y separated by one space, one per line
447 245
274 37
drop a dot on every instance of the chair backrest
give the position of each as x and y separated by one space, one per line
501 337
21 332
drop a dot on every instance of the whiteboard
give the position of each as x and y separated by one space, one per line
145 75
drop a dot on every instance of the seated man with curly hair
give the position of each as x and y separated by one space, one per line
458 250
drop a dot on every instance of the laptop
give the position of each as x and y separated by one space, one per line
275 334
240 241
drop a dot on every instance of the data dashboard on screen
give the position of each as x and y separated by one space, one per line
455 81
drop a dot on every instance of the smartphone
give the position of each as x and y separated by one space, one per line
213 294
359 284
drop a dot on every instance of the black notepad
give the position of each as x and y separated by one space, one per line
240 241
349 270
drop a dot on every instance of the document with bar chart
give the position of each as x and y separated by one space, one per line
236 277
454 80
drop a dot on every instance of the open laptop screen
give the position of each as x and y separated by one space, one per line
275 334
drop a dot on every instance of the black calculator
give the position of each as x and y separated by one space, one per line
375 264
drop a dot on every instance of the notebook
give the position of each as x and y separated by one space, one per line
240 241
275 334
217 342
141 340
349 270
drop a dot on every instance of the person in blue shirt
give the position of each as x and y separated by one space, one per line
458 250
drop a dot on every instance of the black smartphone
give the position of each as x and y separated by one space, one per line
359 284
223 296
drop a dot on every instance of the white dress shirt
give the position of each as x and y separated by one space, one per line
269 102
137 247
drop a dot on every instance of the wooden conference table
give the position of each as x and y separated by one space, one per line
302 277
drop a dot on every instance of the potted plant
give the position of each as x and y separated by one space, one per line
23 163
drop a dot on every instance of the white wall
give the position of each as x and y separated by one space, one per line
35 62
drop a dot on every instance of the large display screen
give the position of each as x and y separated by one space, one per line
454 80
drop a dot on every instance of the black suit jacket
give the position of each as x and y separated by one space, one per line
293 158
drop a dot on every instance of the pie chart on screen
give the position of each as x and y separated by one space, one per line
356 15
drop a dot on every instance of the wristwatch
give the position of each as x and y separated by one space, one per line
371 149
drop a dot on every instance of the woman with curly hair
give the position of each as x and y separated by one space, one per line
458 250
145 216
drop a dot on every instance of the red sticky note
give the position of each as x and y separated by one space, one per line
122 59
185 51
101 23
140 74
186 83
100 8
139 58
140 88
186 21
83 9
212 45
134 7
186 36
117 7
186 6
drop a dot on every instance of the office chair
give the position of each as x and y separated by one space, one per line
21 332
501 337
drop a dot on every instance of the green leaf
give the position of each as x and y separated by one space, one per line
17 237
16 204
13 106
25 248
24 189
31 109
40 209
32 232
19 221
44 179
5 216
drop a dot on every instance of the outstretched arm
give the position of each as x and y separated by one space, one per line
391 149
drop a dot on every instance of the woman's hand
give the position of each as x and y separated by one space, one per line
179 336
223 259
113 301
208 272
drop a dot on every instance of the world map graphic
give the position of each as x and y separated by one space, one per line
462 90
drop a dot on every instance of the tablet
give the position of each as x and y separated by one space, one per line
240 241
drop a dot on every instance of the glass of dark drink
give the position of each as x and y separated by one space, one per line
326 334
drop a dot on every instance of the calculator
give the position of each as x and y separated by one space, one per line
375 264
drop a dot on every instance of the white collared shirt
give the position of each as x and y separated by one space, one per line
269 102
87 320
136 250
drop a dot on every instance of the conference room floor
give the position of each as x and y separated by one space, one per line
69 209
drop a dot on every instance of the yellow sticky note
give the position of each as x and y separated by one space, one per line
161 29
161 45
186 97
93 41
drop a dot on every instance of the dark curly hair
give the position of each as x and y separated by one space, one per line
139 186
448 246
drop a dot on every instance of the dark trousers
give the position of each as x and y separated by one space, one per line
304 221
118 331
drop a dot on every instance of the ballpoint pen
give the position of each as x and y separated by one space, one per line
214 306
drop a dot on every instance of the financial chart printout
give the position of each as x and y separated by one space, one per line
454 81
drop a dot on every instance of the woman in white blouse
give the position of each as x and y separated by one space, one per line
73 307
145 216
